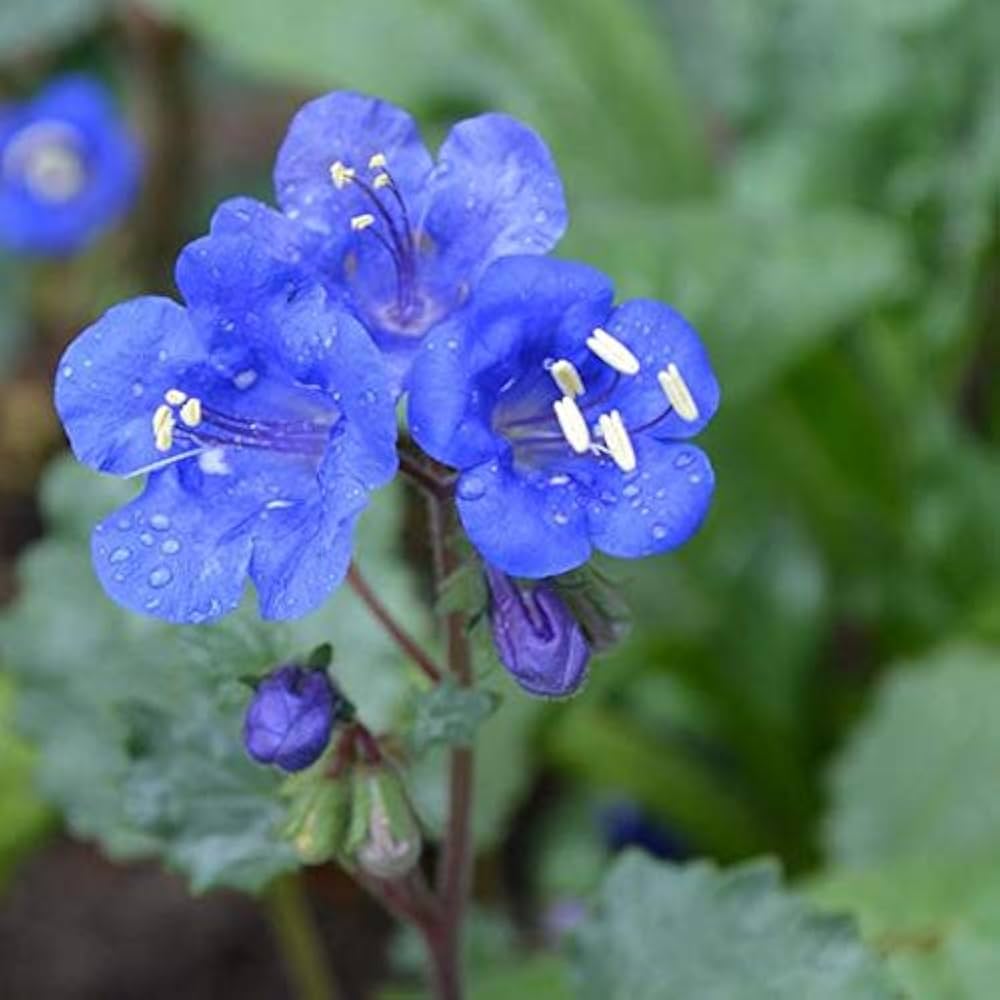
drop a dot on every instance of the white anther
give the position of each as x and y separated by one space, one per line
613 352
616 437
377 161
341 174
566 376
363 221
175 396
163 427
191 412
677 392
381 181
572 424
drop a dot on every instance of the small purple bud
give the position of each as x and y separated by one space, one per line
536 637
291 716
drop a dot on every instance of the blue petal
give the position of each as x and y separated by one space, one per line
169 554
658 335
279 236
113 376
522 523
351 128
495 192
523 311
656 508
301 562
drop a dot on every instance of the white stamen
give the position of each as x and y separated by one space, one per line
377 161
613 352
616 437
572 424
381 181
363 221
191 412
162 463
567 378
341 174
677 392
175 396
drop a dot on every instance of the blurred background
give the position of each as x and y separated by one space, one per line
815 677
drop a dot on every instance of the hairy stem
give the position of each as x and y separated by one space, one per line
399 635
298 940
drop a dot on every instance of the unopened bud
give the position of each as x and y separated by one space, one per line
390 843
289 721
536 636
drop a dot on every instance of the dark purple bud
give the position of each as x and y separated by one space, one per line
290 719
536 636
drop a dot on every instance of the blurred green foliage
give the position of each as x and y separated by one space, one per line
817 184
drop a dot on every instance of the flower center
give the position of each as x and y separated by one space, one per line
204 431
45 157
582 421
388 223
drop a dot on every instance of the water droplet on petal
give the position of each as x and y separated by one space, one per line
560 479
608 498
152 604
160 577
146 538
170 547
119 555
631 490
560 518
694 478
160 522
471 487
683 460
67 371
138 389
658 531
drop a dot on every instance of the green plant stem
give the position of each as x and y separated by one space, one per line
298 940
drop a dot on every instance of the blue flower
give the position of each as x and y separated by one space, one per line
536 637
403 239
567 418
263 416
68 167
290 718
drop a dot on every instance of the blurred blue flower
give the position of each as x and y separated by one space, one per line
536 637
290 718
68 167
263 416
626 824
566 417
404 239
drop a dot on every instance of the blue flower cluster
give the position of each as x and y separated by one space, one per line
264 409
69 168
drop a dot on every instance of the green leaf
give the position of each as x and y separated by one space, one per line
935 921
35 24
449 714
662 931
918 778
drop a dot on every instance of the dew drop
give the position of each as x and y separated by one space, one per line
471 487
608 498
694 478
170 547
658 531
451 344
160 577
67 371
560 479
160 522
119 555
138 389
630 491
560 518
683 460
146 538
152 604
124 523
245 378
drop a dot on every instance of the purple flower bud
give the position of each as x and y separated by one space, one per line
291 716
536 637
